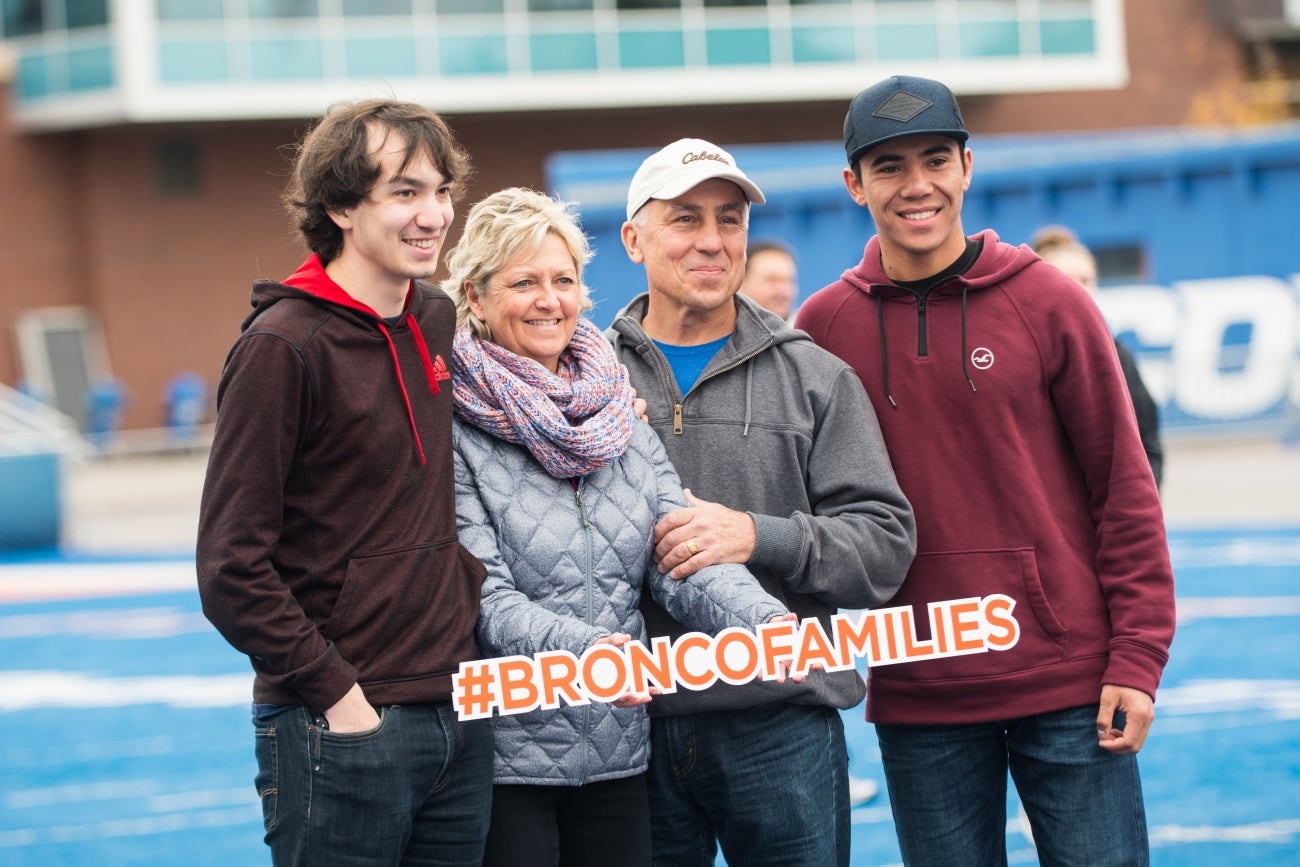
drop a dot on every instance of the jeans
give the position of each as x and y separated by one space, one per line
769 783
596 825
948 790
416 790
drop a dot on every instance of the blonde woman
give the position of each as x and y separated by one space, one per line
558 489
1059 246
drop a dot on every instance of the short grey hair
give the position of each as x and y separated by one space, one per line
499 228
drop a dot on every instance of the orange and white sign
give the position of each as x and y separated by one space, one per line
884 636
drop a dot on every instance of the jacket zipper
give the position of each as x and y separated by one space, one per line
922 345
587 580
677 406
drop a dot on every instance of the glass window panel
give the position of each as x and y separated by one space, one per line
555 51
33 76
23 17
907 42
192 61
1124 263
190 10
1068 9
558 5
281 8
470 7
85 13
713 4
380 56
729 47
822 44
286 59
90 68
1068 37
989 39
644 49
477 54
376 7
648 4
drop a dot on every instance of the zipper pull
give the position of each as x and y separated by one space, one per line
582 510
677 418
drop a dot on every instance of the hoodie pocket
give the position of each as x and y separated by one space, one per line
938 577
408 613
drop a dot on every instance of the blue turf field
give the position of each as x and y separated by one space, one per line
124 733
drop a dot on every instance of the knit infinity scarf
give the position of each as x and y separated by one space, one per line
573 422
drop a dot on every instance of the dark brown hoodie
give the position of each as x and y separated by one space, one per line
327 547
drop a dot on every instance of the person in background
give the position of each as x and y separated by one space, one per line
558 490
771 277
327 546
1059 246
780 448
1001 400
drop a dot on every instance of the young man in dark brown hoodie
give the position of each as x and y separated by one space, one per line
327 546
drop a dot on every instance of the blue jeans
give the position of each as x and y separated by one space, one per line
769 783
416 790
948 791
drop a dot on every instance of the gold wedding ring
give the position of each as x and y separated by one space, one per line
690 546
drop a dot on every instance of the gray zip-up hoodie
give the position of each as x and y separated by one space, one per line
782 429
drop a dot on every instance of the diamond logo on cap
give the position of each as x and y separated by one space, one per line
902 107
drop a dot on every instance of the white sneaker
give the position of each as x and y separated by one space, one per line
861 790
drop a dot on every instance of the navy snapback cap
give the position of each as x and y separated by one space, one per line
898 106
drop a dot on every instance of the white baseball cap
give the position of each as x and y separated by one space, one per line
679 167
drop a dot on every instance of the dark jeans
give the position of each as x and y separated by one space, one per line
596 825
416 790
769 783
948 791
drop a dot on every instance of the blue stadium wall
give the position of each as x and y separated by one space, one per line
1206 225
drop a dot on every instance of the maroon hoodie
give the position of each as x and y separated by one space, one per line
327 546
1012 434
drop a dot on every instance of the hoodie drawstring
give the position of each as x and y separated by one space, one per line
964 368
418 336
884 357
401 382
749 389
312 278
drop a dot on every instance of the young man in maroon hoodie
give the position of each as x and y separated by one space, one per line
327 546
1006 417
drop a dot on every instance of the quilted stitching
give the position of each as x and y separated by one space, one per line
527 529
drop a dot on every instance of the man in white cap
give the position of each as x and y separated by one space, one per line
779 443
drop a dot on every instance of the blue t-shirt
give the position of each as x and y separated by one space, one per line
688 362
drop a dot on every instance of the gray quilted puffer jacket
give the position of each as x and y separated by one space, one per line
564 569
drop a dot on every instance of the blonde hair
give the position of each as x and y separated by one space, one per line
499 228
1052 239
1057 244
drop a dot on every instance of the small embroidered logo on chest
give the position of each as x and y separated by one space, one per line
982 358
440 371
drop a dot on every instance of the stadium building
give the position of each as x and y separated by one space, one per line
142 142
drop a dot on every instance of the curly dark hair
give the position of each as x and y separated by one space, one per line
333 167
